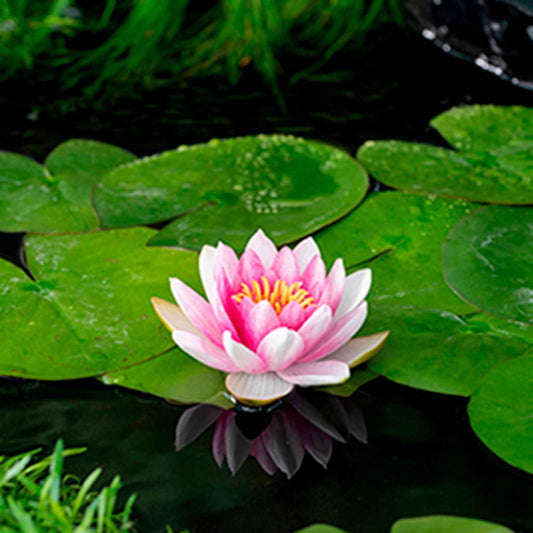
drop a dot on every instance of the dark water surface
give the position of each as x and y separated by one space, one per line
422 457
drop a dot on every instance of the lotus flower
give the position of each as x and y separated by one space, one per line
273 319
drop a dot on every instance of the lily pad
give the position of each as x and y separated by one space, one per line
500 411
174 376
487 260
55 197
441 352
287 186
494 164
88 310
358 377
399 236
446 524
321 528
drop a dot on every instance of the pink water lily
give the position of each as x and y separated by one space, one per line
273 319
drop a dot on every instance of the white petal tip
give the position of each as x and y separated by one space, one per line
257 389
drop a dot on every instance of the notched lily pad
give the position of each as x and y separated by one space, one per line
399 236
89 309
487 260
287 186
55 197
441 352
500 411
446 524
494 163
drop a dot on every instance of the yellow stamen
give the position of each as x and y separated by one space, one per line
279 296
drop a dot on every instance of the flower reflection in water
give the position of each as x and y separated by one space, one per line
277 436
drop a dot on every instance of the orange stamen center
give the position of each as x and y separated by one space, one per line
279 295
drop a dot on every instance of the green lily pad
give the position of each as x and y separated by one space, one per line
174 376
89 309
439 351
494 164
55 197
487 260
320 528
446 524
287 186
399 236
500 411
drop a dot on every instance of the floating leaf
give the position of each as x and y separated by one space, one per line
446 524
500 411
89 309
174 376
227 189
493 166
359 376
321 528
487 260
403 233
55 197
441 352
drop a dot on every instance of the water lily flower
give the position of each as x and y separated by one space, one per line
273 319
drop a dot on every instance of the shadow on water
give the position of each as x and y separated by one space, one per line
421 458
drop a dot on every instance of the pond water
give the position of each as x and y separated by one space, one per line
422 456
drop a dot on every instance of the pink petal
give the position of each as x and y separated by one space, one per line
334 286
207 276
314 276
315 374
286 266
204 351
196 309
225 258
355 290
250 267
243 357
280 348
305 251
260 452
219 437
261 320
263 247
172 316
315 327
257 388
292 315
222 303
359 350
339 333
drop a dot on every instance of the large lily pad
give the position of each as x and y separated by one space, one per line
403 235
441 352
446 524
285 185
487 260
89 309
55 197
174 376
494 164
501 411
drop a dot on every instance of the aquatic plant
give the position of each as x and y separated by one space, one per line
36 495
154 41
274 320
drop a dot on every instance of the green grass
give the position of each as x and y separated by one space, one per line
151 42
37 496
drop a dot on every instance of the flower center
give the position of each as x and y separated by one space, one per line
279 295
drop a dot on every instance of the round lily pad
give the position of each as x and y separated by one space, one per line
487 260
484 170
174 376
287 186
88 310
55 197
446 524
399 237
501 411
441 352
